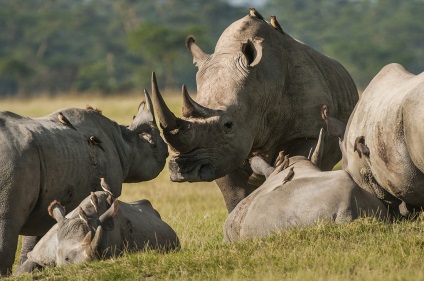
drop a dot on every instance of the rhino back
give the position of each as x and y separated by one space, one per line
328 196
386 115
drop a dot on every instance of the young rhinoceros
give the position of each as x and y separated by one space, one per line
100 228
61 156
299 195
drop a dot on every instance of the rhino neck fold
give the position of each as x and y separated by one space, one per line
234 187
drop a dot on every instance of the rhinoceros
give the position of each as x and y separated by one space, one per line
299 195
260 91
61 156
100 227
386 124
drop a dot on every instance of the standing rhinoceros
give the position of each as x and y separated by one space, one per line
386 125
100 228
299 195
261 91
61 156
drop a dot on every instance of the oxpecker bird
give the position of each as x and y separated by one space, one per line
360 146
274 23
289 176
82 215
279 159
62 119
94 201
255 14
89 107
105 187
286 161
95 141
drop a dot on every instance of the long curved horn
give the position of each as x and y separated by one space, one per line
316 156
167 119
192 108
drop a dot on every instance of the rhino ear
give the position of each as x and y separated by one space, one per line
198 55
252 50
145 115
56 211
106 220
96 240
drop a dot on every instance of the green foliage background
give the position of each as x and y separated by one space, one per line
107 46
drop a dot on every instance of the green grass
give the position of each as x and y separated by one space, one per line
363 250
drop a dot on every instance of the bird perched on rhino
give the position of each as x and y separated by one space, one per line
274 23
255 14
89 107
361 147
289 176
62 119
95 141
105 187
94 200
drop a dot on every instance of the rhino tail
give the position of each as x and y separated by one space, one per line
56 210
335 127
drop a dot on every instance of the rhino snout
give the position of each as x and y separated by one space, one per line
182 170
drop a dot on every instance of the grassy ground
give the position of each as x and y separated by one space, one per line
363 250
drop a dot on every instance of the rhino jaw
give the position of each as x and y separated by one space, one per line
181 170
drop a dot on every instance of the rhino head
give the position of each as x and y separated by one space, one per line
80 237
259 92
149 149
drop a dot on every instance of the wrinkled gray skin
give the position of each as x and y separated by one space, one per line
311 196
43 160
121 226
260 91
107 233
389 115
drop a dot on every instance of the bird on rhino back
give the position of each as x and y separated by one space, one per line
52 157
299 195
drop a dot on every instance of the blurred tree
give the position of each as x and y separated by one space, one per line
364 35
112 46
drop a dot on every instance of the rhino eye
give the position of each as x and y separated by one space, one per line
228 125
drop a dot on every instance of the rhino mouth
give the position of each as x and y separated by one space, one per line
183 169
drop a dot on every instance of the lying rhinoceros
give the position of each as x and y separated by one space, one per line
100 227
260 91
299 195
61 156
386 125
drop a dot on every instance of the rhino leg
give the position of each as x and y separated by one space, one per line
9 233
28 243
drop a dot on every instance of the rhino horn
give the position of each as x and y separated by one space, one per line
198 55
317 154
192 108
167 119
96 240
